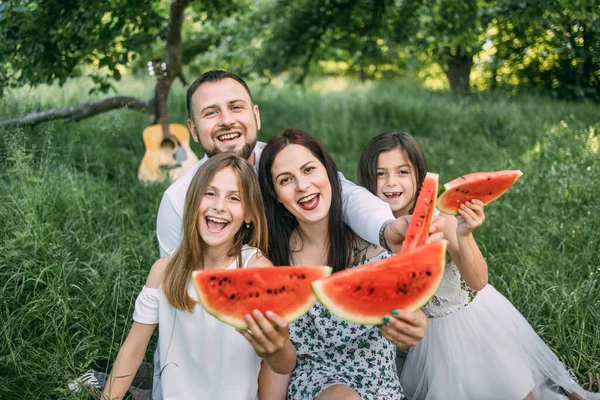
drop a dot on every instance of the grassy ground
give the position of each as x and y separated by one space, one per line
77 229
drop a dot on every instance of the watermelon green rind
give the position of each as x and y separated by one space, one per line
320 286
449 204
239 322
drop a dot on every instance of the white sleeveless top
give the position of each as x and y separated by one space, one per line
200 356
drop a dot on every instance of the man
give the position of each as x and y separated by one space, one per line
223 117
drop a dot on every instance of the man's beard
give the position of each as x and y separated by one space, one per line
245 152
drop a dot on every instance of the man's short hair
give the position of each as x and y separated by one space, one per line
214 75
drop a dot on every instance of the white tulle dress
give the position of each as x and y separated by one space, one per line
478 346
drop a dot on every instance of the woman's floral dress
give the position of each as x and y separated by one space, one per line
333 351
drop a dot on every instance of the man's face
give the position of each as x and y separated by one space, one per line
224 118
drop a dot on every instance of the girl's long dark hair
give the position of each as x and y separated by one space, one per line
282 223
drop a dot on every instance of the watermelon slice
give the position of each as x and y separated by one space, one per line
231 294
484 186
422 215
403 281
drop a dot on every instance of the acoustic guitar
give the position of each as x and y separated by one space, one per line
168 153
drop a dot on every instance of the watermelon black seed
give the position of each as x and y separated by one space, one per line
303 276
371 290
212 278
358 288
490 193
232 296
269 291
428 273
250 283
413 275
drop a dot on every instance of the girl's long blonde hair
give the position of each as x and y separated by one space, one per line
189 255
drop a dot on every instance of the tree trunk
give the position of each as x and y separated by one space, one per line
459 71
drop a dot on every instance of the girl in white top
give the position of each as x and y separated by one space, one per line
478 345
201 357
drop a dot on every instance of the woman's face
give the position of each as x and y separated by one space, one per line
396 181
301 184
221 212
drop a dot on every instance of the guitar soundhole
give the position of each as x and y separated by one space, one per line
168 144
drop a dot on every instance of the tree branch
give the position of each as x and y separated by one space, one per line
79 111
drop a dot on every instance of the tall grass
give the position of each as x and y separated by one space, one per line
77 229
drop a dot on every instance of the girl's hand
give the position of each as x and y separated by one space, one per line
470 217
404 329
268 333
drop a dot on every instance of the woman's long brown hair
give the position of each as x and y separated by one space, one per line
189 255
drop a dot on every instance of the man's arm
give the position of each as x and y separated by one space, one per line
364 212
168 226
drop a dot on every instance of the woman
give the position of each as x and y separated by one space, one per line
335 358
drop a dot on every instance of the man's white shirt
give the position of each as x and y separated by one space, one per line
364 212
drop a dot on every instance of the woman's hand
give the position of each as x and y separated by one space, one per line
268 333
404 329
471 216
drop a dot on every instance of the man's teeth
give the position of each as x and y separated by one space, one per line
229 136
217 220
307 198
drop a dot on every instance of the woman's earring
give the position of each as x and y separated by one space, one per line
247 225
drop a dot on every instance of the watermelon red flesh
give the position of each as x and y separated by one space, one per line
484 186
403 281
423 213
231 294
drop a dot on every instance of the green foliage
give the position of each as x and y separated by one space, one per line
550 46
44 41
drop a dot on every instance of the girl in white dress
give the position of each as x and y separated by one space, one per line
477 346
224 227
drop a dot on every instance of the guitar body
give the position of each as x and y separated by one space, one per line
159 161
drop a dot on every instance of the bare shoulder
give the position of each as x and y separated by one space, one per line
259 260
157 271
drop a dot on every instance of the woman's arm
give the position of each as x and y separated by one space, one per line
128 360
462 246
271 386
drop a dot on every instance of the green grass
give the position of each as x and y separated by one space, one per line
77 229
